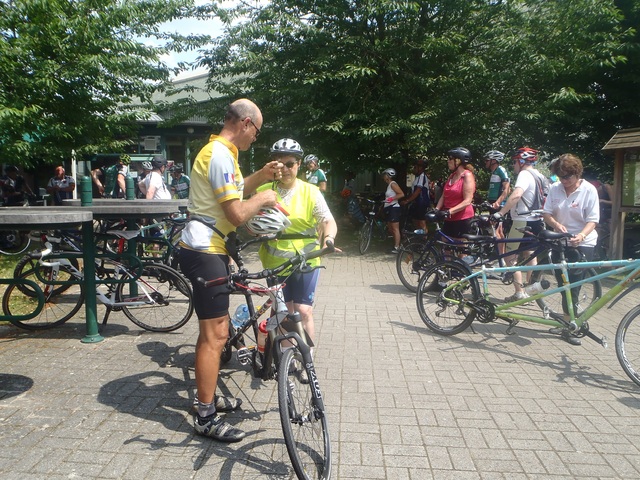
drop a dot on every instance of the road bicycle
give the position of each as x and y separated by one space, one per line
450 297
282 355
373 227
152 295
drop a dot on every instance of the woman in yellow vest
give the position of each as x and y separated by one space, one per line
309 214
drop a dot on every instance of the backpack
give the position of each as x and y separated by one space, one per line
540 192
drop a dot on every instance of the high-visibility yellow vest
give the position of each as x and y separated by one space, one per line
276 252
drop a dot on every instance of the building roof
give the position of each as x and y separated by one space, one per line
628 138
194 87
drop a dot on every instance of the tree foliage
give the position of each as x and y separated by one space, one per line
373 82
75 72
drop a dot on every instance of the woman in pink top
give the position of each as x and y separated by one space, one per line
458 193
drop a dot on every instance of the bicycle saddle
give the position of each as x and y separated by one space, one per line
551 235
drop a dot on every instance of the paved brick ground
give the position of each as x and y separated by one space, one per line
403 402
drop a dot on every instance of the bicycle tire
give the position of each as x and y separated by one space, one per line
58 308
601 252
304 424
551 305
444 312
412 260
365 236
14 242
628 344
172 305
27 263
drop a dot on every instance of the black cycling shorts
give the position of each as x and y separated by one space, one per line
209 302
392 214
457 228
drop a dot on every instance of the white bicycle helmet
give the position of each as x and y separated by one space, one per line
389 171
147 166
286 146
268 221
309 159
496 155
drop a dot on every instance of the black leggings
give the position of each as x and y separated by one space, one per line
575 275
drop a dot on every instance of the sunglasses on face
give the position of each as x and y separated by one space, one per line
565 177
290 165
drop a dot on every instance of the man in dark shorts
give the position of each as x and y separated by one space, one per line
419 200
216 208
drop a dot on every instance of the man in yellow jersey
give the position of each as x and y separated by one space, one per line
216 208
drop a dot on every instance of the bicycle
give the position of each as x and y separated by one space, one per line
282 355
139 292
418 250
158 242
484 250
372 223
450 297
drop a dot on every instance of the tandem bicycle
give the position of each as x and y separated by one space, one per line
450 297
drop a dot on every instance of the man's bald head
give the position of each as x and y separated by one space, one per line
241 109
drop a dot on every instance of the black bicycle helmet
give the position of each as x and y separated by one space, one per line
461 153
177 167
158 161
286 146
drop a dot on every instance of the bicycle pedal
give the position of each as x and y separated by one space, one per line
244 355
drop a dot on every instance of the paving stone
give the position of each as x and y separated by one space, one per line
403 402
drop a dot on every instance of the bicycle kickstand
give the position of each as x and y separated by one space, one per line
104 320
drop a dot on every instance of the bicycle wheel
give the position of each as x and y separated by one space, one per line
412 260
551 305
304 423
628 344
27 263
365 236
14 242
444 310
167 295
58 307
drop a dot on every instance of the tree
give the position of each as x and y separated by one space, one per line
369 83
75 74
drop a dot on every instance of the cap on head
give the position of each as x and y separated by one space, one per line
286 146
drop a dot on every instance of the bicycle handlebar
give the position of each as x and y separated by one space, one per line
270 272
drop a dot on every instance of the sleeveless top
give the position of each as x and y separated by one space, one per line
453 196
